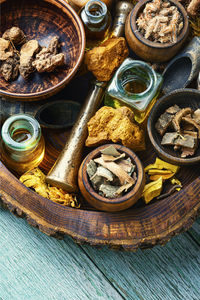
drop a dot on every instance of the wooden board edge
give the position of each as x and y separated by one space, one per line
128 245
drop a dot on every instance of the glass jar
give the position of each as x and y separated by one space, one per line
96 20
22 144
135 84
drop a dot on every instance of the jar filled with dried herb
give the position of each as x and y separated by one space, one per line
136 85
97 21
22 144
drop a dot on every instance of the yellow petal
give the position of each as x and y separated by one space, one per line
152 190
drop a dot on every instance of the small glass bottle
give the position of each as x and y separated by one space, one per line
22 145
135 84
96 20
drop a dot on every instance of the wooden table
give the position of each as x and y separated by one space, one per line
34 266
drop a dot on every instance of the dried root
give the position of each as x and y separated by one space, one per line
160 22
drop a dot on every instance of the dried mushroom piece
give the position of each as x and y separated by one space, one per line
48 59
109 124
16 35
30 48
6 49
10 68
27 53
111 178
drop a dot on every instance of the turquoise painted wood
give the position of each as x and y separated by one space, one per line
171 272
34 266
195 231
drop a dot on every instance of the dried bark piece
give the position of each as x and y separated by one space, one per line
109 124
192 122
15 34
10 68
112 158
166 118
6 49
173 138
178 117
102 61
126 165
104 172
117 170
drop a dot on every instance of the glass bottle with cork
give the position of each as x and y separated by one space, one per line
22 144
97 21
135 84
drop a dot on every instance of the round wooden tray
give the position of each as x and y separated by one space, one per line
141 226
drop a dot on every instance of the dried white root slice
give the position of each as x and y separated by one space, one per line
105 173
112 158
117 170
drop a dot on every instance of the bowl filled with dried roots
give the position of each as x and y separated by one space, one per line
111 177
157 29
174 127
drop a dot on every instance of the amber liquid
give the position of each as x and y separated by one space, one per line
96 34
23 161
21 135
135 87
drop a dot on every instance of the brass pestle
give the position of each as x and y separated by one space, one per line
64 172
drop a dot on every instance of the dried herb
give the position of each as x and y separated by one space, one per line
186 124
111 174
35 179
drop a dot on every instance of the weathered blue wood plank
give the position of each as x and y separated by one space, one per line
171 272
195 231
34 266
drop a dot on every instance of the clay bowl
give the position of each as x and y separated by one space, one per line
146 49
115 204
183 98
58 115
41 20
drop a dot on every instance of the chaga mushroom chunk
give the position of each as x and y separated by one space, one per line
14 34
48 59
6 49
10 68
27 53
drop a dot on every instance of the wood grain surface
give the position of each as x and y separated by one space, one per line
141 226
37 267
